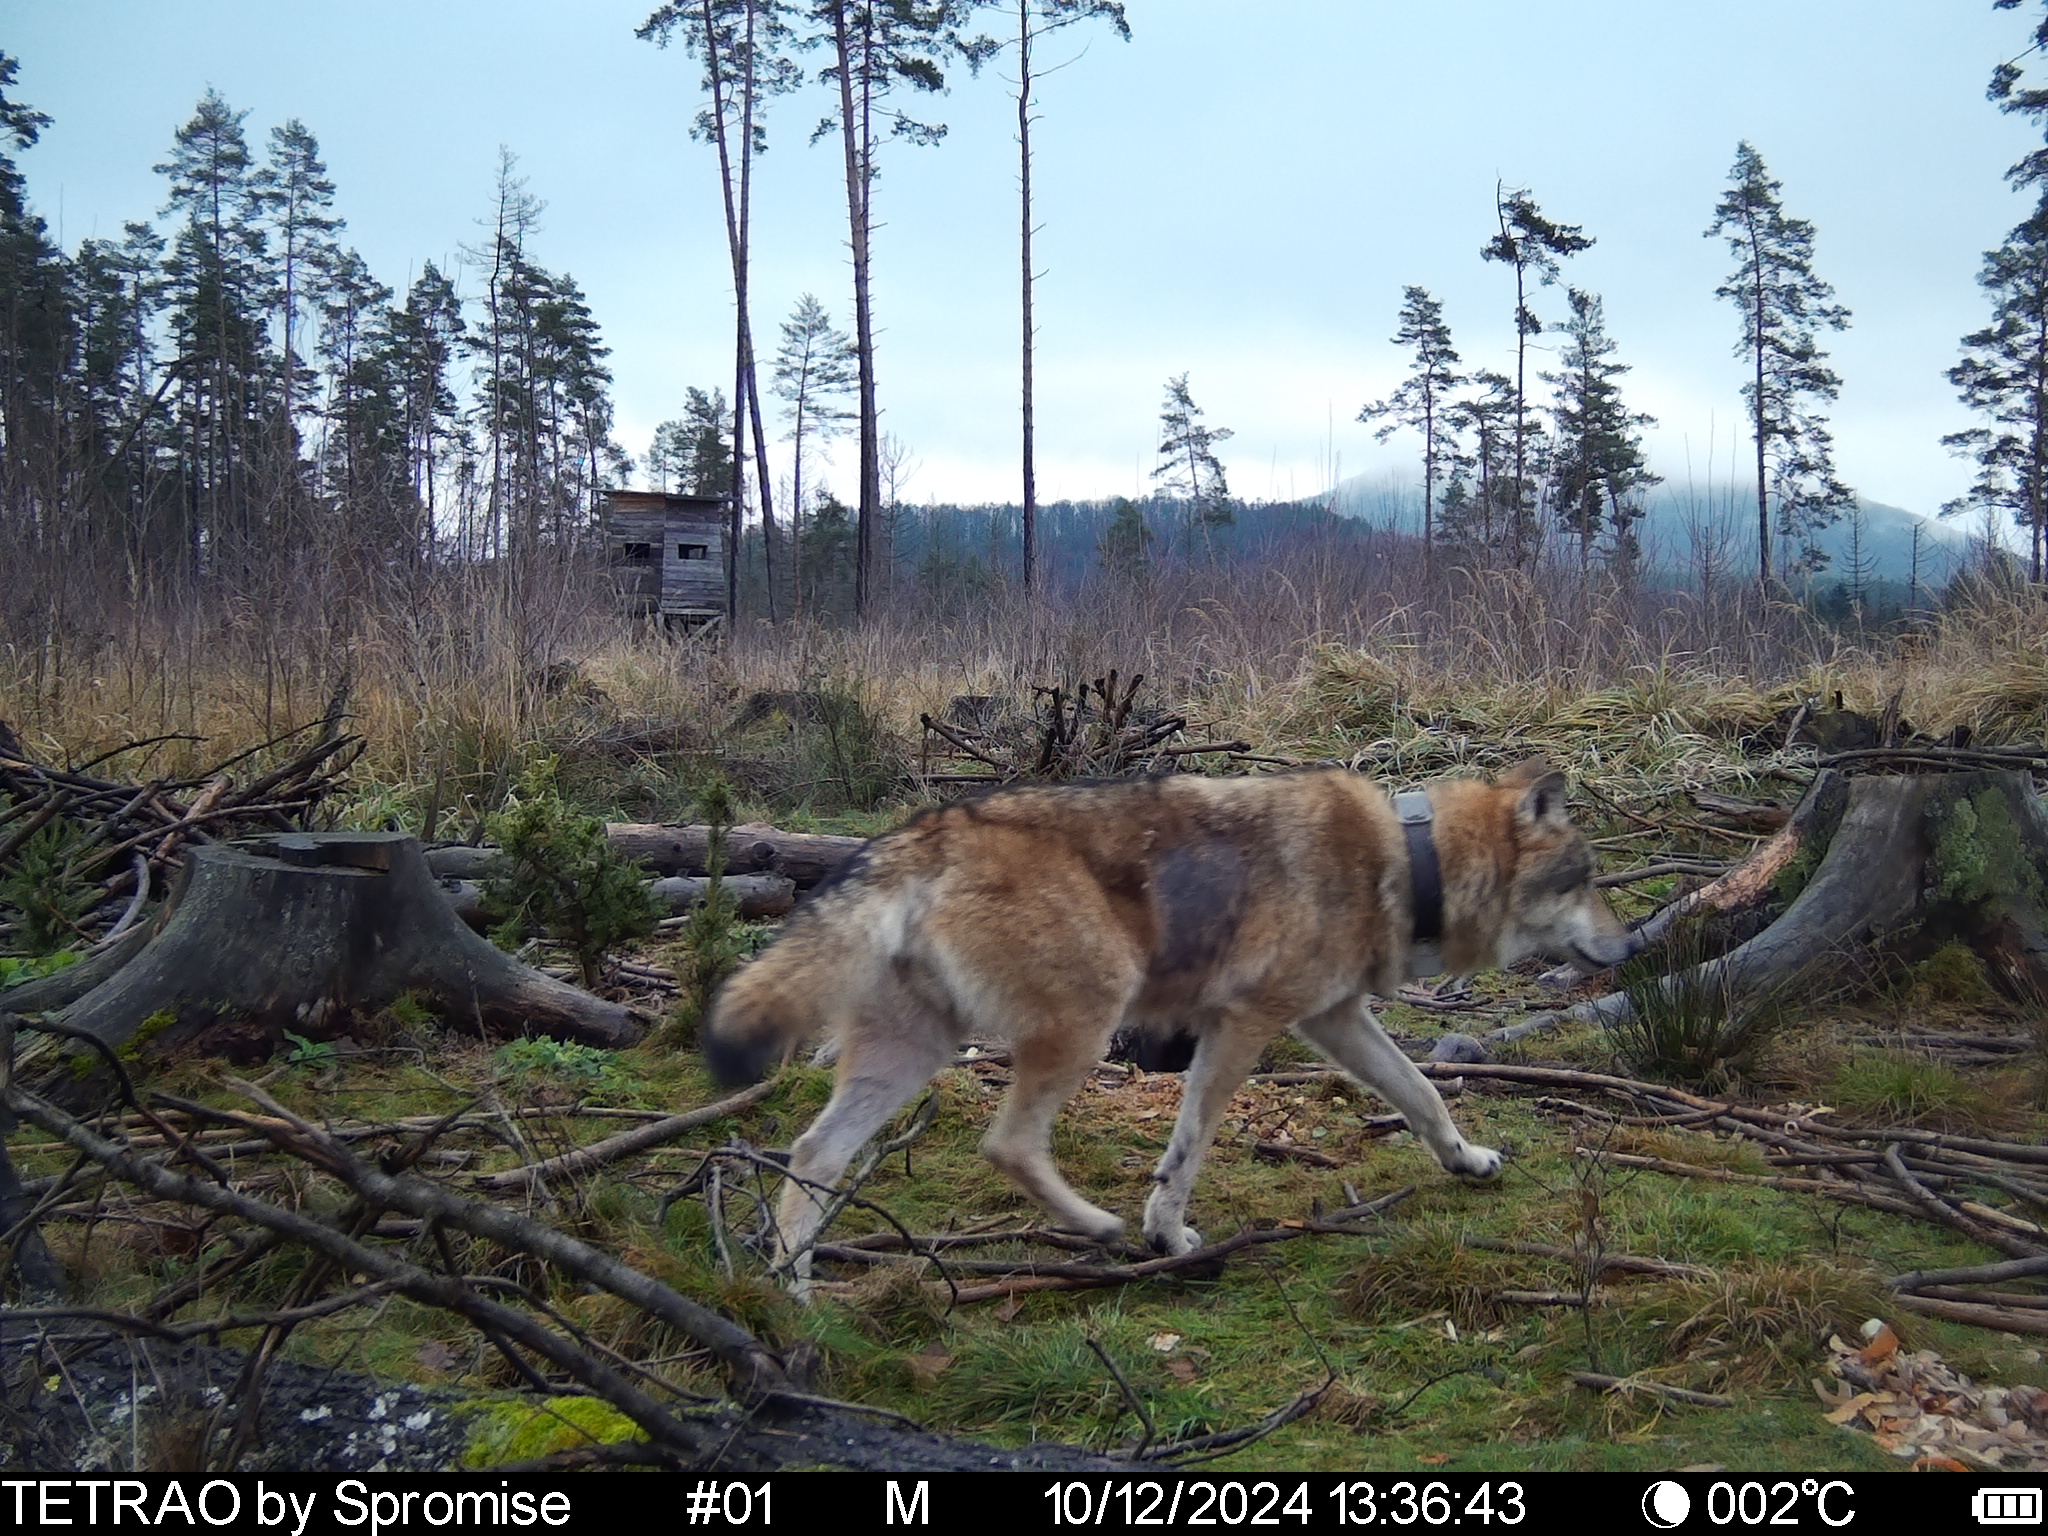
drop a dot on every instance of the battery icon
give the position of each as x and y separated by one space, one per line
2006 1506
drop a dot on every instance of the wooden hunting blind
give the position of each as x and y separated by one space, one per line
668 555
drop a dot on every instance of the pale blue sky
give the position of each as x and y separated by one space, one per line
1239 193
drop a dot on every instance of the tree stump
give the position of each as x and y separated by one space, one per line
1963 854
311 934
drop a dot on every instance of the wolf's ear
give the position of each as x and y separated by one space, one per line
1543 799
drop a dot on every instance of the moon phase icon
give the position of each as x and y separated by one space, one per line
1666 1504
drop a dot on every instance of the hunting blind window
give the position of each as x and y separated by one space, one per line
639 553
693 551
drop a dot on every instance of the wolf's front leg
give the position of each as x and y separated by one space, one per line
1352 1038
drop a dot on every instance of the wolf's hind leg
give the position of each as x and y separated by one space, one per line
877 1077
1223 1059
1049 1067
1351 1037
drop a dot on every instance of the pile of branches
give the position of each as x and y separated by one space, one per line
128 836
1094 731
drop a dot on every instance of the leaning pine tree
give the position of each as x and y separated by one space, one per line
1188 465
1783 304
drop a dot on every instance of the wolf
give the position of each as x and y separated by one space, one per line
1223 909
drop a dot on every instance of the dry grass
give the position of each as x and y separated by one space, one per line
1333 649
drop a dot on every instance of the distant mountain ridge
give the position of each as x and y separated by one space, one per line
1726 514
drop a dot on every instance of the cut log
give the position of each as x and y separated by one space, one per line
311 935
803 858
758 896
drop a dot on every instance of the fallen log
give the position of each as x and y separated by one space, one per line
758 896
2004 1319
803 858
310 935
806 858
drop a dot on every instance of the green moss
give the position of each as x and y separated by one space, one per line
1951 974
1979 854
521 1431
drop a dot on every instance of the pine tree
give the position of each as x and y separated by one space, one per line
815 369
293 194
1036 19
1487 421
2003 376
1597 463
1532 246
216 282
1423 399
1126 543
878 45
363 455
2009 90
744 46
35 340
1782 303
422 339
1188 464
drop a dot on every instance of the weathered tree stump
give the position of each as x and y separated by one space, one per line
310 935
1962 854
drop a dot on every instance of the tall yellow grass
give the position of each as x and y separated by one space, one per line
1316 648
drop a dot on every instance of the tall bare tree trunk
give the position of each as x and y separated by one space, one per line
857 134
1024 154
1763 509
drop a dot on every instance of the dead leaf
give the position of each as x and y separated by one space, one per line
929 1363
1165 1343
1434 1458
437 1356
1882 1346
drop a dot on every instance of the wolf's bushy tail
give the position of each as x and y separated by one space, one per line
772 1005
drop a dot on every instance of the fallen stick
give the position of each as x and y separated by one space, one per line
1610 1263
1076 1277
2021 1299
1852 1194
1948 1215
2004 1319
1971 1274
1629 1385
625 1143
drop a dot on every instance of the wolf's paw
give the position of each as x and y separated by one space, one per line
1183 1240
1102 1228
1470 1162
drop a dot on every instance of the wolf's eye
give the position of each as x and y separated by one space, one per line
1572 868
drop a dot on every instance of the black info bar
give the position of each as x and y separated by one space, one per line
1603 1502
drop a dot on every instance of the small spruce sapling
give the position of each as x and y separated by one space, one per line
561 877
713 930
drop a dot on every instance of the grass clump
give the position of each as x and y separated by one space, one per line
1897 1088
1695 1024
562 878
